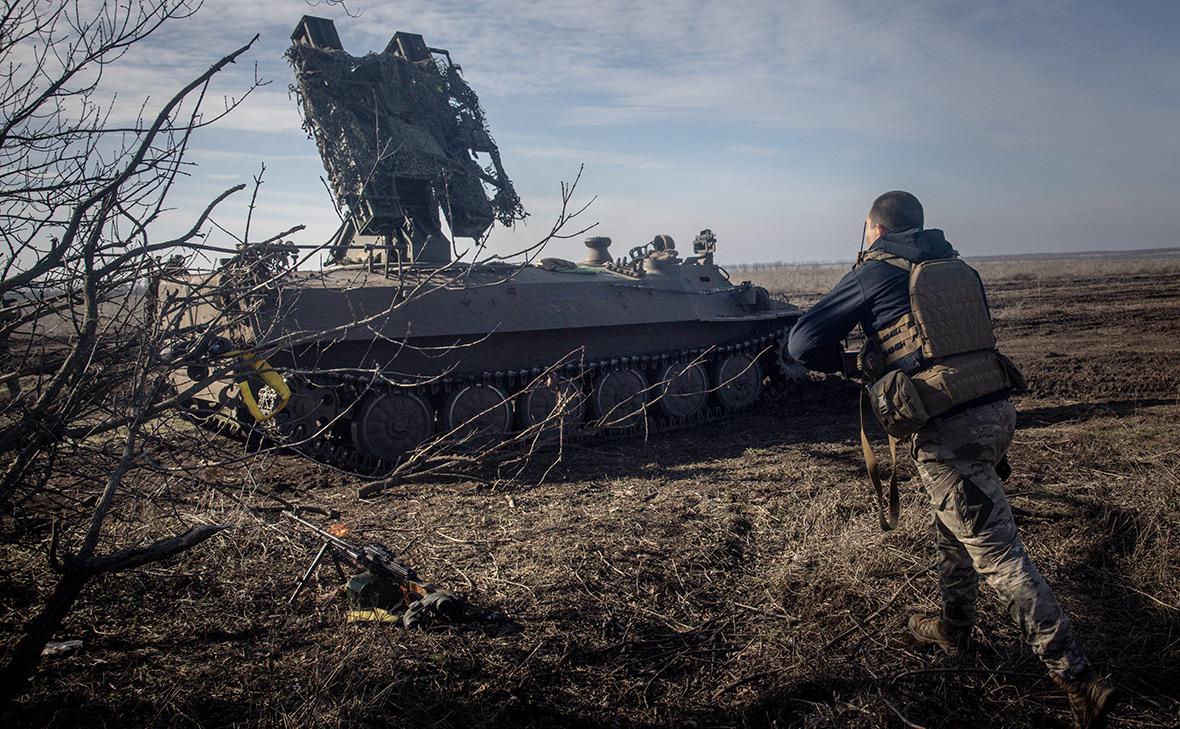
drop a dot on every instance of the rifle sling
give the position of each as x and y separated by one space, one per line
888 517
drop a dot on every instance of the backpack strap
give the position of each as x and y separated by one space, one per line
874 254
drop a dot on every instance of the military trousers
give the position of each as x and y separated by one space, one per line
976 534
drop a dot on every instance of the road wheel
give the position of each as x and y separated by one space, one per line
684 391
479 415
555 401
739 382
619 399
390 424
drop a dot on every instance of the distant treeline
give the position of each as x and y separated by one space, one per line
773 265
1166 252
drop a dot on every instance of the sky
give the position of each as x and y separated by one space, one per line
1023 127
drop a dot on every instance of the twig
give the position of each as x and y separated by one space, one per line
882 609
764 611
754 677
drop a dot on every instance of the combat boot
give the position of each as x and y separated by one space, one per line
952 639
1090 698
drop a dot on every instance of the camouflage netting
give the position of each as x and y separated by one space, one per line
381 118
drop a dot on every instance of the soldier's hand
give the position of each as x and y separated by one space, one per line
851 367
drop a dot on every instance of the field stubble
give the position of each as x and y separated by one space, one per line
728 575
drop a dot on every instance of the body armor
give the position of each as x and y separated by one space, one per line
932 361
945 345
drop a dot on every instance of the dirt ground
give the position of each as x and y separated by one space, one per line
728 575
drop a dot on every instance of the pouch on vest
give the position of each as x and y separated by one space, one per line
870 361
959 379
898 404
1016 379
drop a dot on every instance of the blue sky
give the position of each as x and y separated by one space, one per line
1023 127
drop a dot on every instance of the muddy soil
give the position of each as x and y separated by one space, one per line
729 575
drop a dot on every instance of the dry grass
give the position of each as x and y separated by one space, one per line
728 575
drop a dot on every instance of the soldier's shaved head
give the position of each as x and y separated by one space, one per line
896 210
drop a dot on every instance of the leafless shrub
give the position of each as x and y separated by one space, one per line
100 312
85 337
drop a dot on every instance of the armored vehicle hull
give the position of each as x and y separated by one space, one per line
363 363
380 362
466 319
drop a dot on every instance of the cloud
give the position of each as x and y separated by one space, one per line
757 150
1039 109
247 153
591 157
981 75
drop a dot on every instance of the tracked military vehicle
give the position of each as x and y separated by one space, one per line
394 344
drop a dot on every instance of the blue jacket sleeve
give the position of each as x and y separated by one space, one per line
815 340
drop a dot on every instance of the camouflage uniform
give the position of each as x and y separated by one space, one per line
976 534
956 454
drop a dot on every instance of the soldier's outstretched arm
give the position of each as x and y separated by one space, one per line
816 338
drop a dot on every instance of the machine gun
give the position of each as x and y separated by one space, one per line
385 583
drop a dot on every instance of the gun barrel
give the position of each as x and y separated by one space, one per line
350 549
369 557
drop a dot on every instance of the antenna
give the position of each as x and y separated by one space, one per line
864 228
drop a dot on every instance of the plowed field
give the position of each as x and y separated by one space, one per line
728 575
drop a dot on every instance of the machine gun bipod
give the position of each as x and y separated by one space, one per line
385 583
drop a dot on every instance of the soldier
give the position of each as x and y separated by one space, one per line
942 382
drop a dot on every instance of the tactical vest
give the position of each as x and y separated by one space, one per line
945 344
938 357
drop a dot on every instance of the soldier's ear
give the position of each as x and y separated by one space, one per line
875 232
